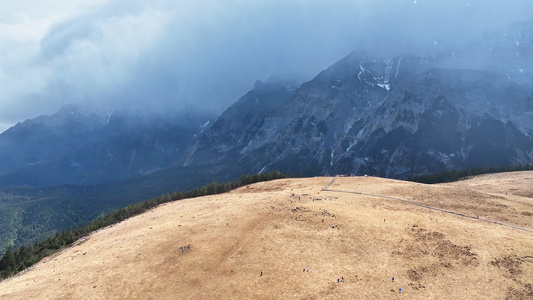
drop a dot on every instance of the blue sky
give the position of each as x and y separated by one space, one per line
206 54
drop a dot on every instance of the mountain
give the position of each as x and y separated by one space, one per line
394 117
79 145
232 130
291 239
81 163
390 116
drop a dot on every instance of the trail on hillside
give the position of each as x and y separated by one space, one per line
280 228
243 241
328 189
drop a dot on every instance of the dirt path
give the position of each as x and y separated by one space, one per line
244 239
328 189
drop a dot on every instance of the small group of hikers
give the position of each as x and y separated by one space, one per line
185 248
341 280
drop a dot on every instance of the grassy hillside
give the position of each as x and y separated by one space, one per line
33 214
257 242
24 257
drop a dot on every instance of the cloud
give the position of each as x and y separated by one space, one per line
205 53
95 58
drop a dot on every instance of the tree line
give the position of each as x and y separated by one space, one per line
18 260
455 175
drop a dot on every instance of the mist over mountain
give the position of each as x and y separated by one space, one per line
397 117
205 54
83 145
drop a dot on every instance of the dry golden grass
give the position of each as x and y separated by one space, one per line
365 239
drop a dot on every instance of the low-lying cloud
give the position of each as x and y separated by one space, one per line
205 54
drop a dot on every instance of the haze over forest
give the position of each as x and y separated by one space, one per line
206 54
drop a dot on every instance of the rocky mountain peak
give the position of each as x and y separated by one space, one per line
394 117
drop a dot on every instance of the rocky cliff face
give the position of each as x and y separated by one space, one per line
394 117
232 131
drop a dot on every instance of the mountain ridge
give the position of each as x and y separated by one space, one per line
80 145
398 117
